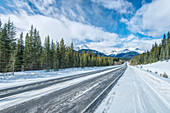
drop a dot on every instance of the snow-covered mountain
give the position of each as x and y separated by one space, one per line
125 53
116 51
79 47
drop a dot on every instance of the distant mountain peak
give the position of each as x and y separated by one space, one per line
84 47
125 53
79 47
137 49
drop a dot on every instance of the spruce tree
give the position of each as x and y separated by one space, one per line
168 39
67 58
47 53
71 55
19 54
98 60
53 56
57 55
27 53
38 51
62 54
12 51
4 49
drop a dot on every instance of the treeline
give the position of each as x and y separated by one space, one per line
17 55
157 53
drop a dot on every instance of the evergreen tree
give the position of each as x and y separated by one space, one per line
19 54
36 48
103 61
33 56
53 56
12 51
57 55
38 51
46 54
62 54
98 60
27 53
71 55
77 61
161 52
4 49
68 58
168 35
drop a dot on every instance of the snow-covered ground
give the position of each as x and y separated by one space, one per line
26 77
159 67
138 91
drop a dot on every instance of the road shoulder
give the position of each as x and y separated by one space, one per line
134 94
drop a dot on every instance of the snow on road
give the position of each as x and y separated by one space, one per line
23 97
26 77
137 91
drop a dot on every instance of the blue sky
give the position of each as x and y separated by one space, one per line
103 25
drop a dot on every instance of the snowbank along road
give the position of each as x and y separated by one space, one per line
73 94
138 91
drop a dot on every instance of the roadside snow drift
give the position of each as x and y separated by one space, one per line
159 67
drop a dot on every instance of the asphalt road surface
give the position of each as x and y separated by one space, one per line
84 96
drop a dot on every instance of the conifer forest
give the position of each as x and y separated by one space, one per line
158 52
19 55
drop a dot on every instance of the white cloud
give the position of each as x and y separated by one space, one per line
20 5
151 19
130 37
143 44
59 28
121 6
131 42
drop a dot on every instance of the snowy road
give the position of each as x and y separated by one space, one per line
43 84
69 95
137 91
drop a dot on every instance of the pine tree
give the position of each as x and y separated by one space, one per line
53 56
168 39
19 54
4 49
161 52
46 53
38 51
167 52
98 60
77 61
164 41
62 54
33 56
57 55
12 51
68 58
103 61
71 55
27 53
87 57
